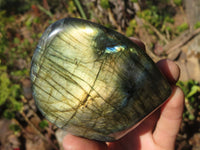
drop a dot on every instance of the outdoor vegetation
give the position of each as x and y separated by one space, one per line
163 25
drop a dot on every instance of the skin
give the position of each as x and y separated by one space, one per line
157 132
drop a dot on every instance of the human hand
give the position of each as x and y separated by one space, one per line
157 132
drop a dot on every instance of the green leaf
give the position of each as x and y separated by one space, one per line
178 2
16 40
131 29
104 4
197 25
182 27
191 117
194 90
43 124
134 1
8 114
4 87
15 128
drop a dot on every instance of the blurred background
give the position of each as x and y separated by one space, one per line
169 29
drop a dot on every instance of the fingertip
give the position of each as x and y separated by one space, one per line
71 142
67 145
175 103
170 69
168 124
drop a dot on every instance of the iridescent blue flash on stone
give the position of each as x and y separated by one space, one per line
115 49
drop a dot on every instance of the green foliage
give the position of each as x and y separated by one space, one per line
11 50
190 88
157 17
105 4
168 19
178 2
15 128
20 73
8 114
150 15
182 27
4 85
43 124
165 26
191 91
197 25
71 7
20 47
4 40
109 25
30 21
135 1
130 31
9 94
80 8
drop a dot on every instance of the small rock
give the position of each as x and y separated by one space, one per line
21 64
27 91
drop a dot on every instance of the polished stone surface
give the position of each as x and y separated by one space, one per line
93 81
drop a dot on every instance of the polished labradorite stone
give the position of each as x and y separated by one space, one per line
94 82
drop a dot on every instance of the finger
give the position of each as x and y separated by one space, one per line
170 70
170 119
138 43
71 142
